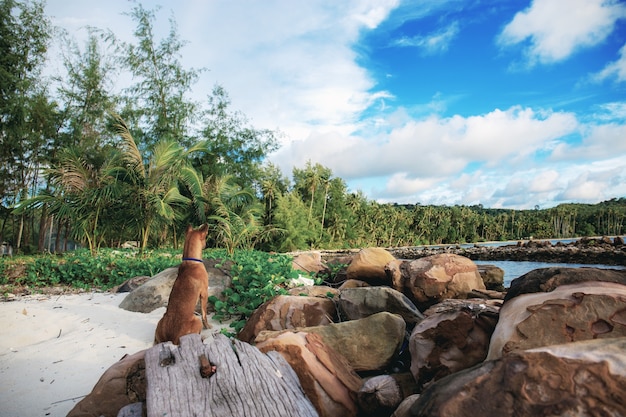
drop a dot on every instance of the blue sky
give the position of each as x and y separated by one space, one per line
505 103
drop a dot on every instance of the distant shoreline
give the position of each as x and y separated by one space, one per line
589 251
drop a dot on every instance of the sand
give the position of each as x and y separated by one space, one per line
53 349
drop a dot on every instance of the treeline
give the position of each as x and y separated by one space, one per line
84 163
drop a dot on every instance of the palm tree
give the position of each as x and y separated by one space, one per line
236 214
82 190
156 182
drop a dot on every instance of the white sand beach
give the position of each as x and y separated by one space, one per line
53 349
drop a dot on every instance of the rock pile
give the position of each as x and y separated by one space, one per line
582 251
426 337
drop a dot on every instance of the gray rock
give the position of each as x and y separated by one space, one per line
151 295
357 303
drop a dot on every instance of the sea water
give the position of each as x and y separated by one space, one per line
515 269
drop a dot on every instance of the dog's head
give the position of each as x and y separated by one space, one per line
195 238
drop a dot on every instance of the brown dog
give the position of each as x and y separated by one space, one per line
191 283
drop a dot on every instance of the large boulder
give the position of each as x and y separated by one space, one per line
357 303
429 280
326 377
152 294
586 378
369 265
493 277
547 279
569 313
122 384
155 292
455 335
288 312
369 344
310 262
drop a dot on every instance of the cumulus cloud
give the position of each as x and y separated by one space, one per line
437 42
551 30
591 185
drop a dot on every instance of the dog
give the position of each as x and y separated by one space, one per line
191 284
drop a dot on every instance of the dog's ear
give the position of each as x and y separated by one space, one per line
204 228
189 229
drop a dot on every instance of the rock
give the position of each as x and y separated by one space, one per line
130 284
151 295
357 303
155 292
486 294
547 279
122 384
309 262
493 277
369 344
429 280
326 377
353 283
288 312
582 251
454 335
382 394
577 379
369 265
379 395
404 409
315 291
583 311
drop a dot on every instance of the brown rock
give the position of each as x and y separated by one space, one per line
368 344
382 394
583 311
122 384
309 262
577 379
288 312
492 276
326 377
369 265
455 335
547 279
427 281
353 283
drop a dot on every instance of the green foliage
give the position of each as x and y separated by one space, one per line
257 278
80 269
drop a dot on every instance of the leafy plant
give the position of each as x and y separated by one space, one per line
80 269
256 278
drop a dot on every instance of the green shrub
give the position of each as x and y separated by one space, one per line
82 270
257 278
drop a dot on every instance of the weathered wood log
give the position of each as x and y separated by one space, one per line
245 381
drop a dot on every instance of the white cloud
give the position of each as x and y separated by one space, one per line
616 69
591 185
599 141
434 43
416 155
552 30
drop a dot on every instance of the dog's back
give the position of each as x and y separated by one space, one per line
190 286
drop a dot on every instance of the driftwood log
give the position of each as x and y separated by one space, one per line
245 381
